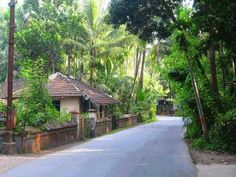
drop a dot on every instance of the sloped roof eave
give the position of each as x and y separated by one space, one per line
63 86
96 95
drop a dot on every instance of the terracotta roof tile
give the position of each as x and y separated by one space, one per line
63 86
18 86
60 86
94 94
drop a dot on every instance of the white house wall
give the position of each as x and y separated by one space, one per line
70 104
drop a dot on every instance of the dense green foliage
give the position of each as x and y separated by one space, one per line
136 51
73 37
202 51
215 109
3 46
34 107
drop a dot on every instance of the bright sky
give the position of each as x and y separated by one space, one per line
4 3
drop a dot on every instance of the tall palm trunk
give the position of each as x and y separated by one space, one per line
81 66
139 57
213 68
92 62
69 63
234 69
53 66
142 69
138 60
91 67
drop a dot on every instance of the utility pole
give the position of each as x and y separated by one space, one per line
195 88
9 147
198 100
9 124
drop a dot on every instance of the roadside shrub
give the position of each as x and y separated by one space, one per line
3 107
222 135
145 104
199 143
34 107
223 132
193 129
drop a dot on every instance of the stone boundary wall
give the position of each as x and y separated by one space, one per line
2 137
66 133
38 141
35 142
127 120
103 127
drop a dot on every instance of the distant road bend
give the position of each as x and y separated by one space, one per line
152 150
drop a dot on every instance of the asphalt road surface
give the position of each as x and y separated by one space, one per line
152 150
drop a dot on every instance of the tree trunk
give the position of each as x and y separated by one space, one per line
198 100
213 68
92 56
138 58
81 66
234 69
142 69
184 47
69 64
136 61
53 67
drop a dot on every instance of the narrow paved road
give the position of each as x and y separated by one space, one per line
152 150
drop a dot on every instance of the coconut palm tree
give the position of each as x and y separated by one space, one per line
3 47
101 41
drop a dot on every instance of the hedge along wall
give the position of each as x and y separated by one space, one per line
127 120
35 142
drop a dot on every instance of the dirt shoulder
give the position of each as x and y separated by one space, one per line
213 164
202 157
209 157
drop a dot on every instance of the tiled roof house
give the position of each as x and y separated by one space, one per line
69 94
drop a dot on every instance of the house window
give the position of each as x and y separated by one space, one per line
101 109
57 104
84 104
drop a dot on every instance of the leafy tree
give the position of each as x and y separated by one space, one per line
3 46
158 22
100 41
73 37
40 40
147 19
34 107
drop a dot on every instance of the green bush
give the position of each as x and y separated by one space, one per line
199 143
145 104
3 107
34 107
224 131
